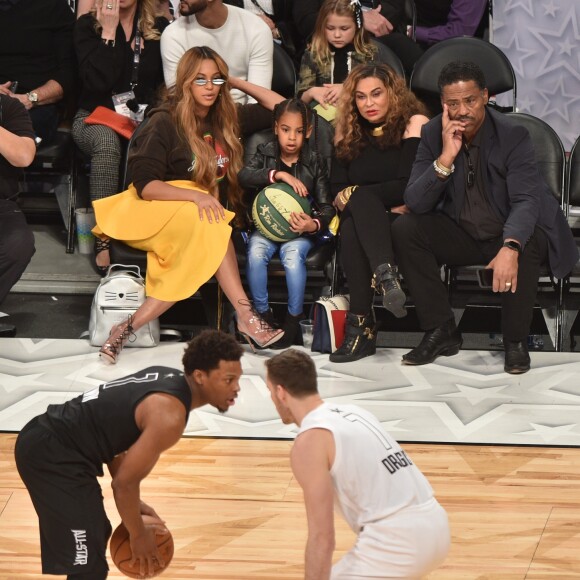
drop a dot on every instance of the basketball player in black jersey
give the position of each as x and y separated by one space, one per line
126 423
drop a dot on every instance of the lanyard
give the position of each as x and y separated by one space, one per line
136 53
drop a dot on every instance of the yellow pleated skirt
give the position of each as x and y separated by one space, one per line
183 252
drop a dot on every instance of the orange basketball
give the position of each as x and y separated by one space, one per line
121 549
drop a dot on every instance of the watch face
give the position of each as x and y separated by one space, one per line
33 97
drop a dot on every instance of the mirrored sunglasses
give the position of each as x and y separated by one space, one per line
203 82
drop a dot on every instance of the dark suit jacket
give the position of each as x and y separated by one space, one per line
512 182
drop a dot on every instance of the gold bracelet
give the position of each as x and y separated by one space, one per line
348 191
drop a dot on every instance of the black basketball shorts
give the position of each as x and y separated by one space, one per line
63 486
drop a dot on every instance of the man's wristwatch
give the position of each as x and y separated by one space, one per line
512 245
32 97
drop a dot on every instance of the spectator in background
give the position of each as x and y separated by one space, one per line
378 20
162 8
36 59
277 15
17 149
107 42
244 40
339 43
439 20
383 20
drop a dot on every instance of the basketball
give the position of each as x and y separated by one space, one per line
272 208
120 549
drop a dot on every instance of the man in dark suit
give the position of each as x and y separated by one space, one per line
476 197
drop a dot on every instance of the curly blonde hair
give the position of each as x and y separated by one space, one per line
146 22
319 46
222 120
352 130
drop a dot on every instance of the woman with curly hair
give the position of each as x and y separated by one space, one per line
184 166
378 129
339 42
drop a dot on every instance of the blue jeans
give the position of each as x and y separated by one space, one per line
293 257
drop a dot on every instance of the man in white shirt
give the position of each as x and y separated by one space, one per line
242 39
342 457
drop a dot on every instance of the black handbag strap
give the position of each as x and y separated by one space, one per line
255 3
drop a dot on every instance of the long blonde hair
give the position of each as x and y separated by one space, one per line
319 46
351 132
222 119
146 22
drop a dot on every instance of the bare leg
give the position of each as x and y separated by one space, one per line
249 323
150 309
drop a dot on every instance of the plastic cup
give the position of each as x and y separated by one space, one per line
307 329
85 221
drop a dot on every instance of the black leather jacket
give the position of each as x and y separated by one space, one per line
311 170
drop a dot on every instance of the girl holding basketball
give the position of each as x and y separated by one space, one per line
291 160
339 43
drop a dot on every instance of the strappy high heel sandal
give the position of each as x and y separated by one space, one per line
119 335
257 332
101 246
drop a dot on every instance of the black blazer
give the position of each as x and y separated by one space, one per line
512 182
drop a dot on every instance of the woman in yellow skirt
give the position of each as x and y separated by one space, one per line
184 165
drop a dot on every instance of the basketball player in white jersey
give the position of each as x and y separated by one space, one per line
342 457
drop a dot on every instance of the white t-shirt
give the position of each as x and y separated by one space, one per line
373 477
244 42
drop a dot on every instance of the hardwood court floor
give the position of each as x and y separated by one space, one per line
236 512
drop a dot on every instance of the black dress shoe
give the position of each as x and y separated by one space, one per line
442 341
7 330
517 358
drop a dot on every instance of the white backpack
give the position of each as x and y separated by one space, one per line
119 294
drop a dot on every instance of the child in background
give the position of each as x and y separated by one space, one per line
288 158
339 43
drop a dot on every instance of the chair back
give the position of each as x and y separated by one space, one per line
283 73
573 197
389 57
550 154
411 16
497 69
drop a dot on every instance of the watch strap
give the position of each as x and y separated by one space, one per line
512 245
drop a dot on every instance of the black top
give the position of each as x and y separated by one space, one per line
36 44
101 422
382 172
160 152
106 70
15 119
477 216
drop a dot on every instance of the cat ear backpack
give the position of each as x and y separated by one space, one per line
120 293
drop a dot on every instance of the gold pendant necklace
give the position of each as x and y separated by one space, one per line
377 131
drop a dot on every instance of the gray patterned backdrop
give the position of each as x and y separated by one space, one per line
542 40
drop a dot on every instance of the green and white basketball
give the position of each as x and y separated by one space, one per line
272 208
